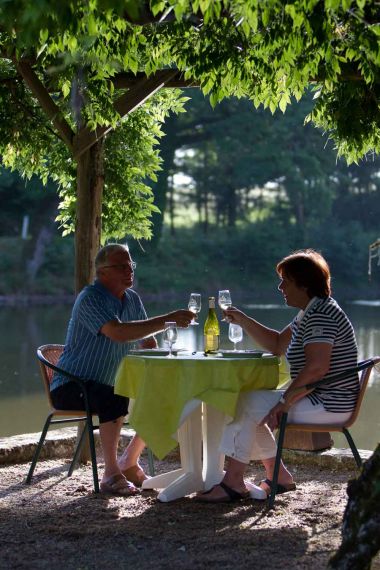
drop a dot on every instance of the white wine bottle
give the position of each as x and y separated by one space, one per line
211 329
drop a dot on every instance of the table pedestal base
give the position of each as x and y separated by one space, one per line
205 424
188 479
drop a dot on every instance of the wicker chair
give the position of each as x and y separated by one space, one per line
48 356
366 367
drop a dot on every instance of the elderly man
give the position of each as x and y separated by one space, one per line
106 317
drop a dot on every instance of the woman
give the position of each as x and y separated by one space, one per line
318 343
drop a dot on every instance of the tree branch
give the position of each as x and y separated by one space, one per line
51 109
127 103
128 80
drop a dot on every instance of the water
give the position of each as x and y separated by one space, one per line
23 405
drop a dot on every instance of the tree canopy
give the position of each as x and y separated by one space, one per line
267 50
72 72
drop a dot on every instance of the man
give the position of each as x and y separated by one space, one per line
106 317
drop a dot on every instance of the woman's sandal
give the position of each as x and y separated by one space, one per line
230 495
118 485
135 475
280 488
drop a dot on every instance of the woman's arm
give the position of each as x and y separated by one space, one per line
318 355
274 341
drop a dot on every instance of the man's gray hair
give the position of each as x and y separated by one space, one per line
103 253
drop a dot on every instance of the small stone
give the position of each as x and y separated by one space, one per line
182 548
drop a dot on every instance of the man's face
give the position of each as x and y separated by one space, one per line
117 274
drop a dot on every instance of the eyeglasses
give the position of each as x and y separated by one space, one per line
121 266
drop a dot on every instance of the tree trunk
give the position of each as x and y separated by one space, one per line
33 265
90 184
161 188
171 207
361 520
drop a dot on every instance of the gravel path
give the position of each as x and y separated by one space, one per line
58 522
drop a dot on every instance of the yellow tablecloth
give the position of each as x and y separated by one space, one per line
161 387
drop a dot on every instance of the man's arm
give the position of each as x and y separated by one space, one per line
136 330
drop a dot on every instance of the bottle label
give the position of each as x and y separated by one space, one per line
211 342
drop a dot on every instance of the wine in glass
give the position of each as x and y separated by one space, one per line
235 334
170 335
224 300
194 305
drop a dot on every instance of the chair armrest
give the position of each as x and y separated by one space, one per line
72 377
325 381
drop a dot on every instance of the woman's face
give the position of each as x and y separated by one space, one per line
294 295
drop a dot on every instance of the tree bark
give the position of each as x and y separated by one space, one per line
361 520
90 184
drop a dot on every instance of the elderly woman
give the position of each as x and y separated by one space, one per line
318 343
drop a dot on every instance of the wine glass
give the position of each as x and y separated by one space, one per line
224 300
194 305
170 335
235 334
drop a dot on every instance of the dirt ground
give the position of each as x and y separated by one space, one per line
58 522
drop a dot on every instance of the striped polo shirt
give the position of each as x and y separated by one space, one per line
88 353
324 321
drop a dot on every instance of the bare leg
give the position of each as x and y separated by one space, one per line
109 435
284 476
233 478
131 455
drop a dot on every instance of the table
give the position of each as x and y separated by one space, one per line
192 395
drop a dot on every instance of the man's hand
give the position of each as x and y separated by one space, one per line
149 342
182 317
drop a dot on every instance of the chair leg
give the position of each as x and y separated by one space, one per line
354 449
38 449
276 470
150 462
77 450
91 438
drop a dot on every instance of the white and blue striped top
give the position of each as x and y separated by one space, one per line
88 353
325 321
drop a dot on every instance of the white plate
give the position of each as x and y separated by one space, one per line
242 353
153 351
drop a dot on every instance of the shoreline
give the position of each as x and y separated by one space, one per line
60 443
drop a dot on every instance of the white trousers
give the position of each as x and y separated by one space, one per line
244 439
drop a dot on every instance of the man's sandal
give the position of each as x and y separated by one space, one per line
118 485
135 475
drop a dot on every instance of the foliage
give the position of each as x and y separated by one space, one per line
266 50
245 164
131 160
244 260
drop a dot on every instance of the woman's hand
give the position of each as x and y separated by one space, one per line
233 315
273 417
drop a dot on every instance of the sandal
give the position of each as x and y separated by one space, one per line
118 485
280 488
135 475
231 495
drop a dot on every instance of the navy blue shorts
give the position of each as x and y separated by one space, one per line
103 402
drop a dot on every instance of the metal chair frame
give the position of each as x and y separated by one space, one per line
71 416
365 367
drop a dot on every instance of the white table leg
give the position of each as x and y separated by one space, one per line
188 479
213 422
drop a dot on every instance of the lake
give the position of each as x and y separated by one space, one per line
23 404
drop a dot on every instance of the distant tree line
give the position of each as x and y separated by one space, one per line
261 185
